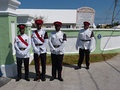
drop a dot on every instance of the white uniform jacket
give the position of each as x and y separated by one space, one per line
22 50
39 45
57 42
85 40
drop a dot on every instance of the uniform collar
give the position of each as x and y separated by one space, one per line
58 31
86 29
39 29
22 34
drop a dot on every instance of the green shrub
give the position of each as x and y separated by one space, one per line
73 58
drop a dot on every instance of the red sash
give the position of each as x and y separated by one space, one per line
22 40
40 38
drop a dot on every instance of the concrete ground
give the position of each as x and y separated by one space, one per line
101 76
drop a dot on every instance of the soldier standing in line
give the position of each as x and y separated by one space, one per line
85 43
39 44
22 45
56 42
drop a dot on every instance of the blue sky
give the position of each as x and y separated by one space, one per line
103 8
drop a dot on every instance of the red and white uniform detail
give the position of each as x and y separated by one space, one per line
57 42
39 46
22 50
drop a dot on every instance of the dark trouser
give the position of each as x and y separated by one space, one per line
19 66
84 53
1 73
37 60
56 64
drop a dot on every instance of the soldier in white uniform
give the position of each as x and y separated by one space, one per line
85 43
56 43
22 45
39 44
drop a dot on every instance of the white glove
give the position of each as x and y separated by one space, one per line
57 50
37 51
52 49
90 50
21 53
25 52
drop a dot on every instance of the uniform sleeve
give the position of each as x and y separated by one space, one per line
15 44
28 47
45 40
92 42
50 44
63 43
33 44
77 42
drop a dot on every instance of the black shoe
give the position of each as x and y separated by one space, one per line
37 78
52 78
60 79
18 79
87 67
43 79
78 67
27 79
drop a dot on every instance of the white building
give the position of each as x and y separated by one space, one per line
67 16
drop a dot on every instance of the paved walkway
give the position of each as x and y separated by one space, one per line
101 76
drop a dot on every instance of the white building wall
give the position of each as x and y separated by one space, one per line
51 15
